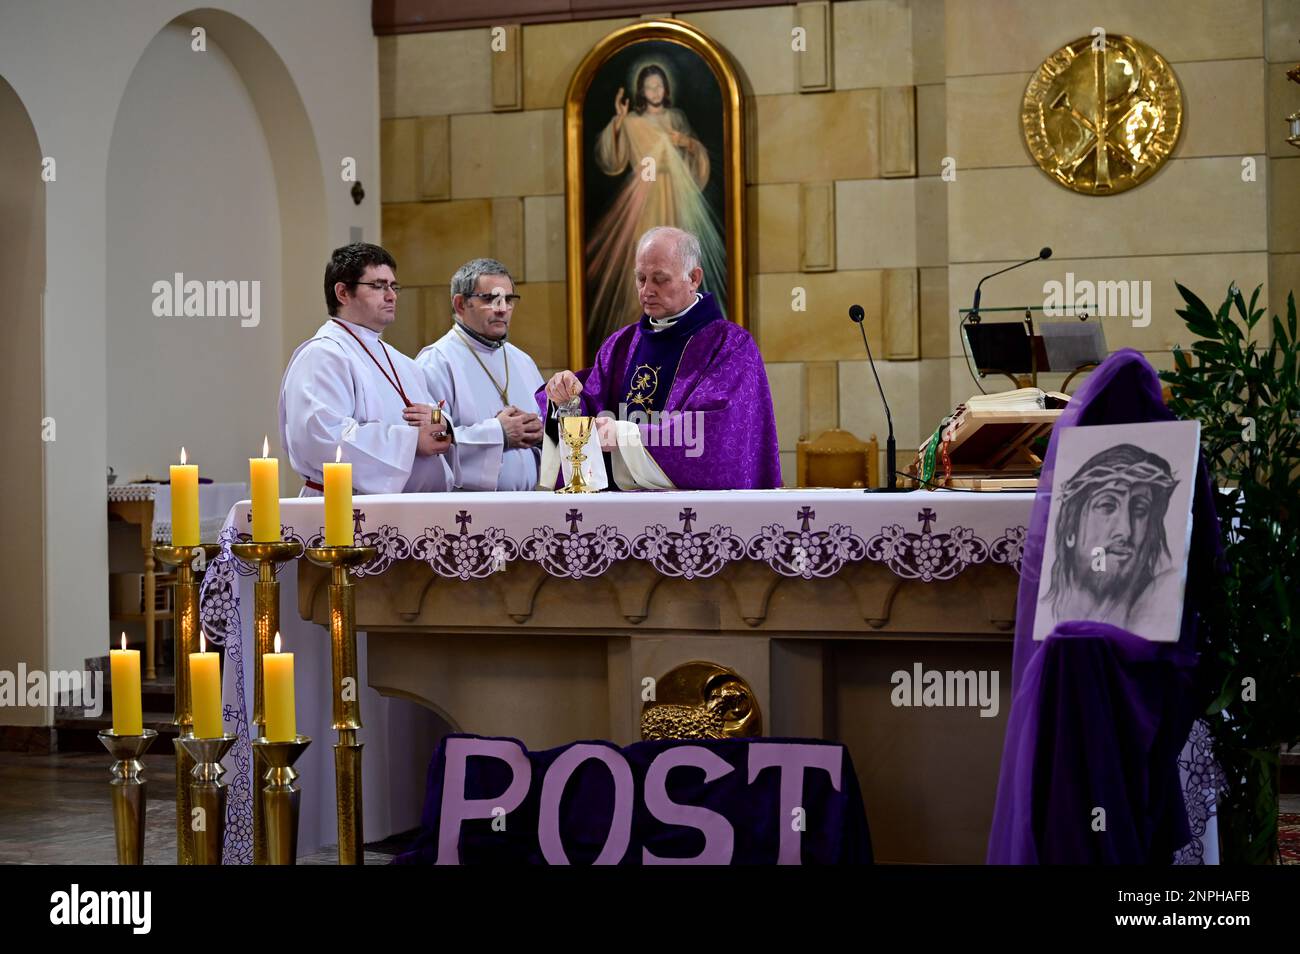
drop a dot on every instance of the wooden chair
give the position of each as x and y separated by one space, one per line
837 459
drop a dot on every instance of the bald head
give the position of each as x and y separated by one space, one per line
668 271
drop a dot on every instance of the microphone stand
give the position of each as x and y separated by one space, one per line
891 452
973 316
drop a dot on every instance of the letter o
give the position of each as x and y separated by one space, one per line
557 778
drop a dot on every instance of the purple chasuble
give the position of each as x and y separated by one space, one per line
1099 714
653 368
719 382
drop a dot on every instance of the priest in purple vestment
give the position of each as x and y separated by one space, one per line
681 398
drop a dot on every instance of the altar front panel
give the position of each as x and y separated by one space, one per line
549 660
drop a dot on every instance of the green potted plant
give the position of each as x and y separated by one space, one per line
1241 382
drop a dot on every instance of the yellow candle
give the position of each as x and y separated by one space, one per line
277 682
125 668
338 502
185 503
205 691
264 477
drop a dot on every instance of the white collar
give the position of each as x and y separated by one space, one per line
659 324
461 331
361 331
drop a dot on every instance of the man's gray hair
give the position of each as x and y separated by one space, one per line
686 246
465 281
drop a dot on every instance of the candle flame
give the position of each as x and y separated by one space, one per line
182 455
277 642
338 453
203 642
265 446
123 642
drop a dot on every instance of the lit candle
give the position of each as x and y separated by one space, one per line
185 503
277 682
124 664
205 691
338 502
264 477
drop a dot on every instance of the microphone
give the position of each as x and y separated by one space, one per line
891 462
974 314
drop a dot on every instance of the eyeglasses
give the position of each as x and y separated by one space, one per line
384 286
488 298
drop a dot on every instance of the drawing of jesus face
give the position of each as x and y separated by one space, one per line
1110 537
1114 520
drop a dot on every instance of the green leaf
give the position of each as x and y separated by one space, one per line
1219 377
1222 699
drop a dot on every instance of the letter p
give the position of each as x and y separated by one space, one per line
456 808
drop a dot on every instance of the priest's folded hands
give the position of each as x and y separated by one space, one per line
434 438
521 428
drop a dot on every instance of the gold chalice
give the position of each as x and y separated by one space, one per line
575 430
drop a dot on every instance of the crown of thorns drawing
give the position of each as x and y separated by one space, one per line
1101 477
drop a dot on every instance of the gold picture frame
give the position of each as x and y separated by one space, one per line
733 217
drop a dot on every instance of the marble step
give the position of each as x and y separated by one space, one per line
158 695
80 733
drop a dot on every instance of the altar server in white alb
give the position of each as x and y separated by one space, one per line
345 388
488 383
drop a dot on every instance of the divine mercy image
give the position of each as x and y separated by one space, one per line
653 150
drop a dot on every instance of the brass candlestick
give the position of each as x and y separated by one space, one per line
280 797
208 795
575 429
129 793
185 639
266 623
347 701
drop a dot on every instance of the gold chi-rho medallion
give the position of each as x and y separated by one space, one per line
1102 114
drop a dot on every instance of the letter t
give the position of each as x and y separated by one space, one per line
792 759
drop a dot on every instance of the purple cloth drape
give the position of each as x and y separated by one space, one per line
1099 714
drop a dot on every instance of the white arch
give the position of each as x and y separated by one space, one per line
295 160
22 505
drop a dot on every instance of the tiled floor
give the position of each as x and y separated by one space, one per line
54 809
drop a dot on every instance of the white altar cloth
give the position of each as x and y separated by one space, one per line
921 535
215 501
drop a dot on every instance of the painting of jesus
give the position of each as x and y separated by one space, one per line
655 131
